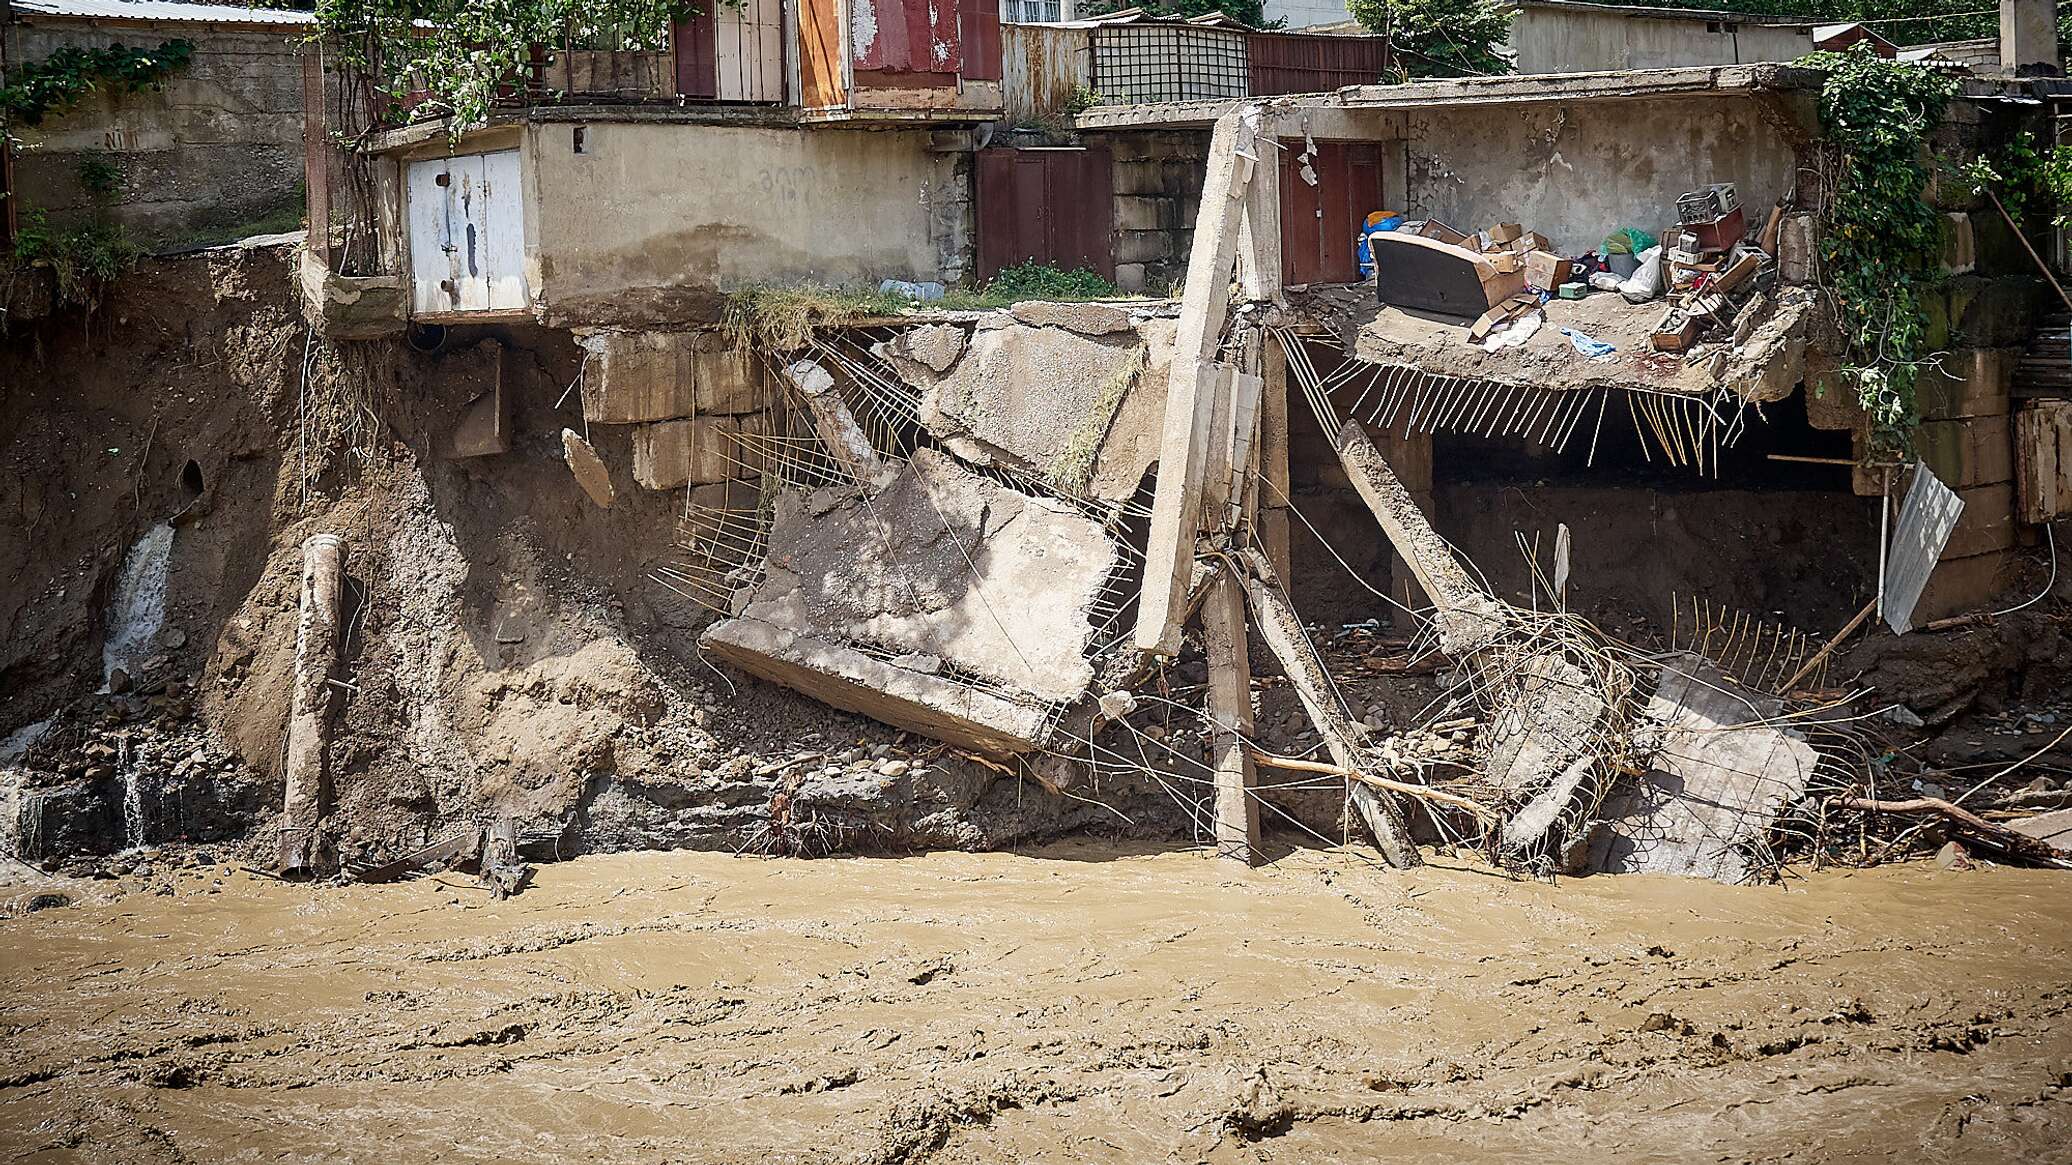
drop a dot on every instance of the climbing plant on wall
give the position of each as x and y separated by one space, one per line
454 57
1880 241
58 82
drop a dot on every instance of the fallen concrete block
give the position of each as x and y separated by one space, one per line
634 377
2053 829
699 451
589 468
1040 400
948 604
1087 319
1717 783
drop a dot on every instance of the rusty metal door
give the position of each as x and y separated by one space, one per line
1052 205
1320 222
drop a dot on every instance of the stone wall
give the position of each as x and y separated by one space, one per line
202 160
1158 178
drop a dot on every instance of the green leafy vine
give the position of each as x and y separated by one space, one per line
57 83
1880 241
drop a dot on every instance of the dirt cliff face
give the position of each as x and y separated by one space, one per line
506 650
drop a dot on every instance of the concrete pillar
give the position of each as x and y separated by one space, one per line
1230 709
316 654
2028 36
1275 493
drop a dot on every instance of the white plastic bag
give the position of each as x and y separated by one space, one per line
1646 282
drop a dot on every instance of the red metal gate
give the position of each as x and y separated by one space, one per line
1319 223
1052 205
1278 62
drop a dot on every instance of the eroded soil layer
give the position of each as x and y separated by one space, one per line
1083 1003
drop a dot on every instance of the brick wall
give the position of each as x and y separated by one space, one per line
1158 178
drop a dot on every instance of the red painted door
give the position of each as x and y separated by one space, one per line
1320 222
1054 206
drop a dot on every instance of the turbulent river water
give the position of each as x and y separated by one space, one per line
1078 1003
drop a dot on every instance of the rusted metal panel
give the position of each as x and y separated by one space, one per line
695 43
821 38
1319 222
1282 63
1044 67
1051 205
905 43
980 24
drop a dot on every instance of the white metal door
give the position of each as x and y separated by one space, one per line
467 233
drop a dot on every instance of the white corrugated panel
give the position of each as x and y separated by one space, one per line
162 11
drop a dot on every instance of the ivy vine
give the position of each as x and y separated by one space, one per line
1880 241
57 83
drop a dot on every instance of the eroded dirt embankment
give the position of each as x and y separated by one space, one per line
1082 1004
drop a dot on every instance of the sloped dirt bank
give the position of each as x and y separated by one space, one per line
1079 1003
506 652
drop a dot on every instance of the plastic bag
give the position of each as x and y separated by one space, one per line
1628 241
1646 283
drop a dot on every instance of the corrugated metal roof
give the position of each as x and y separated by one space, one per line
162 12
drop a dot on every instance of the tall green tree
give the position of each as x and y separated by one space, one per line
1441 38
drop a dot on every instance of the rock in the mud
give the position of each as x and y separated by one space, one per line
1953 856
589 468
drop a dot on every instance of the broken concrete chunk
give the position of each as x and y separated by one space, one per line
1716 785
588 467
699 451
1039 400
2054 829
1088 319
629 377
633 377
949 604
936 346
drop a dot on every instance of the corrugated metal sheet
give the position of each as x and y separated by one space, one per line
161 11
1925 522
1044 65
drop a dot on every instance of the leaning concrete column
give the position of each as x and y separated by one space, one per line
1230 707
309 709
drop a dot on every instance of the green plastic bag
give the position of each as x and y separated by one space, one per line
1627 241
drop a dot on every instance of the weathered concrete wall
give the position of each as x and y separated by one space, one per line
1575 172
652 219
219 146
1158 177
1565 39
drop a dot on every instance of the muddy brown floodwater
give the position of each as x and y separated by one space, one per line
1079 1003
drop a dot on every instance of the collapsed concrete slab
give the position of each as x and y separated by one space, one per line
1717 783
946 603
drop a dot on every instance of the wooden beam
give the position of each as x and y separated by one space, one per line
1281 631
1190 390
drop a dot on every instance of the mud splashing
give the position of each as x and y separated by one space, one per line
138 609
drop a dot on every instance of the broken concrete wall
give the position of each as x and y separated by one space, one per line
696 210
697 403
1070 393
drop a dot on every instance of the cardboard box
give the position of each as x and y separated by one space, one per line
1506 262
1721 234
1547 271
1675 333
1531 241
1432 228
1503 233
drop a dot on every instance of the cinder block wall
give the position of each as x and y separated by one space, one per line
1158 178
219 146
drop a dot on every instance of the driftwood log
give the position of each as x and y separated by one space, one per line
1971 824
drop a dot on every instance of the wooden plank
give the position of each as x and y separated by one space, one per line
1183 448
1281 631
2043 460
821 40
